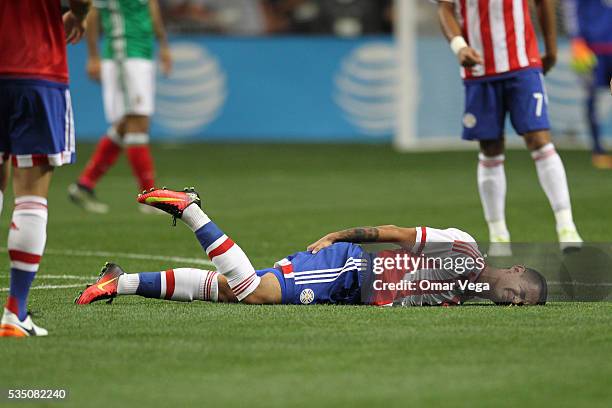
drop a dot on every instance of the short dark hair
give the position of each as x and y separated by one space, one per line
537 279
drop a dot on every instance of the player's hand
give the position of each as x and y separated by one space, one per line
324 242
469 57
165 59
93 68
548 61
74 27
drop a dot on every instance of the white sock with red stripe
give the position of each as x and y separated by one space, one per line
26 244
553 180
492 189
181 284
229 258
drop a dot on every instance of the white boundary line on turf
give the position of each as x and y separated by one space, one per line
581 283
64 277
127 255
49 287
102 254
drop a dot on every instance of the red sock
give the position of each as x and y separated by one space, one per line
104 157
142 165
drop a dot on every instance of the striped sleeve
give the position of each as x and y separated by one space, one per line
444 242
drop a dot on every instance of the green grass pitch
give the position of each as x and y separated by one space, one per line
274 200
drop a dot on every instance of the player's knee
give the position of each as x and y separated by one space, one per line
492 148
225 292
136 123
267 293
537 140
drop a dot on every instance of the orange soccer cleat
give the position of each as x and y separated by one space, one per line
104 288
602 161
172 202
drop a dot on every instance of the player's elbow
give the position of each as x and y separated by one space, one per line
445 10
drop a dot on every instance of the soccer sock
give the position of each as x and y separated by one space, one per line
492 189
554 183
139 156
26 244
229 258
594 121
181 284
1 201
106 154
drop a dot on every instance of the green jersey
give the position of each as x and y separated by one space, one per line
128 29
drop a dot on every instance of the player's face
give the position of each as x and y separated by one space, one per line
513 288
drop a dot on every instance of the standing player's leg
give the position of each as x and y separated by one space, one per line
108 148
527 101
4 175
484 121
600 77
553 179
136 139
492 189
140 90
26 244
104 157
41 138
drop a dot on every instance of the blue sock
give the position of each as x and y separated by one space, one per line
149 285
19 289
208 234
594 125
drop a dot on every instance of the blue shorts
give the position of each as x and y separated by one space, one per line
36 123
603 71
487 101
331 276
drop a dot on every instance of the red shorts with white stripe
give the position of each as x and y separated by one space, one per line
36 123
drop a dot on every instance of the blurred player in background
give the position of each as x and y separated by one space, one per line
36 133
502 69
589 25
127 72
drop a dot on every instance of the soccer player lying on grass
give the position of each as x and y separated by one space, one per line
334 270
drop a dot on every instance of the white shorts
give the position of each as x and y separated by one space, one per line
128 87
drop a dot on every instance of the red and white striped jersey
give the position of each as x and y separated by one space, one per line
434 283
502 32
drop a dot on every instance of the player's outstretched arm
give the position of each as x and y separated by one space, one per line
384 233
548 23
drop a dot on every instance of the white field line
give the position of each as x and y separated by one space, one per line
127 255
49 287
102 254
63 277
581 283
